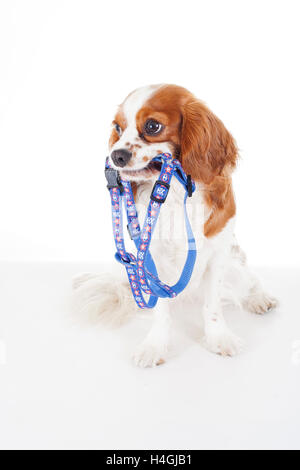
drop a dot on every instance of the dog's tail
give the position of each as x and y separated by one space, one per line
102 298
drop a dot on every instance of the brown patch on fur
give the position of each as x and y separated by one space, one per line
146 159
221 200
121 120
205 147
134 188
165 107
114 137
209 155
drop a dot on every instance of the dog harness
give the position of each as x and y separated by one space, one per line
141 270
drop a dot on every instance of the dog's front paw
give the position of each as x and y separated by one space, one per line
149 354
223 341
260 303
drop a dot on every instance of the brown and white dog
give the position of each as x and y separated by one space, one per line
168 118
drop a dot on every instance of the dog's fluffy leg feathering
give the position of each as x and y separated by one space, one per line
103 298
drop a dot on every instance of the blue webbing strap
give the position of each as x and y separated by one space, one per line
141 270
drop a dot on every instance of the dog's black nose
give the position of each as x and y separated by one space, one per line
121 157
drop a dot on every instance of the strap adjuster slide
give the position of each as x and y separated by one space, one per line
134 232
159 194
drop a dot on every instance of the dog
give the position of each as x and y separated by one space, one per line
169 119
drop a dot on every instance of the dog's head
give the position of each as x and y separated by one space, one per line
168 118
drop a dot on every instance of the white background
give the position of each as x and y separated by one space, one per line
65 65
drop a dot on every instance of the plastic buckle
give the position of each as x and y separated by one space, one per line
113 179
161 198
189 185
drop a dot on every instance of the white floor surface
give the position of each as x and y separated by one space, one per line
67 386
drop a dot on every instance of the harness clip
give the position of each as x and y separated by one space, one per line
113 179
160 191
189 185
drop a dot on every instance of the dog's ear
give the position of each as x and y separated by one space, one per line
207 148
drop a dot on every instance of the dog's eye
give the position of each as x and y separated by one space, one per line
152 127
118 129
